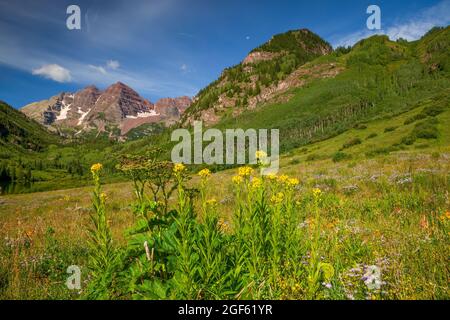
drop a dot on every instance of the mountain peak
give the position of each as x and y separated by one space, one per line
302 43
118 106
120 85
91 88
257 78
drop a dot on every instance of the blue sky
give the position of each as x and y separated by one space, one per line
165 48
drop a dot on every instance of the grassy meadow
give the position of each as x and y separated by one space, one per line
366 225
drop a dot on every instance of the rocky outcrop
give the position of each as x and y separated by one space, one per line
259 56
129 123
296 79
277 92
172 107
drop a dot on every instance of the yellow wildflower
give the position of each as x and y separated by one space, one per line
223 225
245 171
445 216
317 192
256 183
272 177
278 198
293 182
237 179
103 197
178 168
30 234
283 179
260 155
96 167
211 202
205 173
311 222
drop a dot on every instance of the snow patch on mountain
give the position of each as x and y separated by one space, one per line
151 113
83 115
63 113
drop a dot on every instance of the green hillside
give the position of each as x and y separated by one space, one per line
434 49
283 54
19 134
381 79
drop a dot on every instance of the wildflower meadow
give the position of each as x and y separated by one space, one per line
282 238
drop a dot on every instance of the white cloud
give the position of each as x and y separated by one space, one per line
184 68
113 64
14 55
98 69
108 27
411 29
54 72
110 64
438 15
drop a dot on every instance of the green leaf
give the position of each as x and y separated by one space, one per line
327 271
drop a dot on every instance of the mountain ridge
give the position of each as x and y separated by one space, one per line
117 109
271 74
257 78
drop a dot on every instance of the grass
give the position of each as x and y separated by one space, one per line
44 233
380 139
386 211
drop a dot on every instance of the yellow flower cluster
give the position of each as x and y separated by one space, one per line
445 216
277 198
245 172
211 202
178 168
317 192
256 183
237 179
260 155
205 173
283 179
223 225
96 167
293 182
103 197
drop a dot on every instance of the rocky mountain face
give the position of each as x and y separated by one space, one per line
273 68
172 107
117 109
